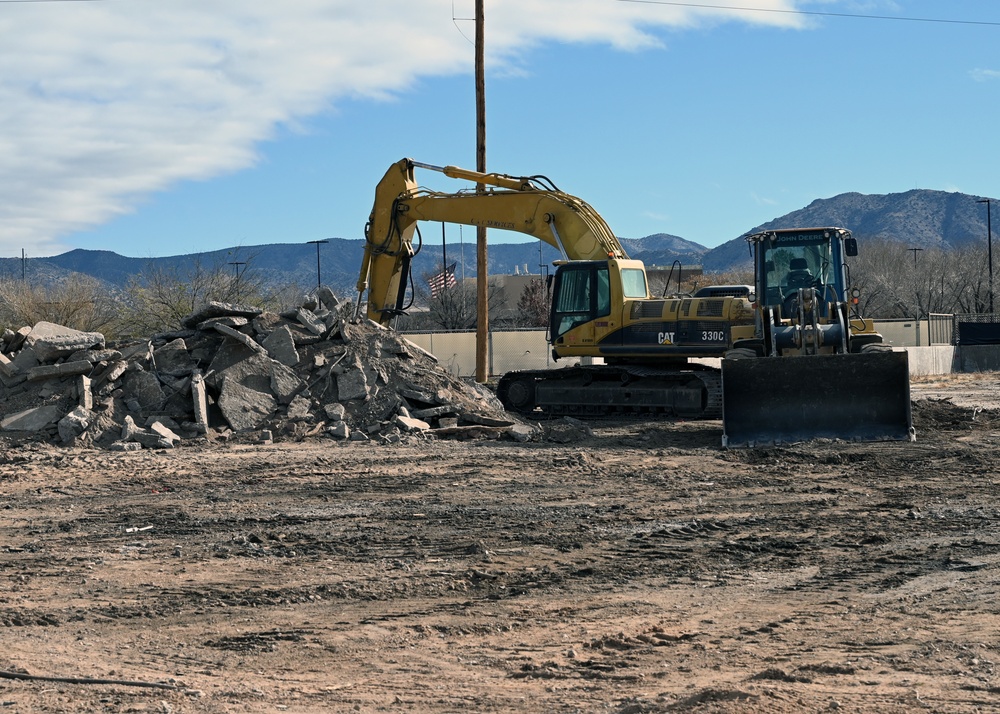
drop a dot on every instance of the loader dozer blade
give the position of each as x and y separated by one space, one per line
779 400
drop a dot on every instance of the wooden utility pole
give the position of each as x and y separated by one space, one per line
482 307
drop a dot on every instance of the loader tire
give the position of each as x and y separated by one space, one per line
740 353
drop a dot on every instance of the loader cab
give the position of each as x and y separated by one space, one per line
788 260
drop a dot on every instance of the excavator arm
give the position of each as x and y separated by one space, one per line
530 205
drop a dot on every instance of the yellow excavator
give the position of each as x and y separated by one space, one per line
601 307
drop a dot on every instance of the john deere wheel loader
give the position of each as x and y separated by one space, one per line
814 368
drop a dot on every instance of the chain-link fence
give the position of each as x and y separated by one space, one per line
976 328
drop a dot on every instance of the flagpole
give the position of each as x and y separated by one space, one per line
444 249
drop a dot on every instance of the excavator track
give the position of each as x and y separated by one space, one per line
604 390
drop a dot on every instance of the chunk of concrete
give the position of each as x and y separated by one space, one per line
200 400
299 409
74 424
328 298
159 428
34 419
219 309
352 384
244 408
230 353
310 321
50 341
58 371
239 337
227 320
410 424
280 346
335 411
84 393
174 359
339 430
144 387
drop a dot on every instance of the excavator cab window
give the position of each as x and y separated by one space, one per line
582 293
634 283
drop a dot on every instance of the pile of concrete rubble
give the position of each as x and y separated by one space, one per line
237 371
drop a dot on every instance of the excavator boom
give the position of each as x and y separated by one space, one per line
520 204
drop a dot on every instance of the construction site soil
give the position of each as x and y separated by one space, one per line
632 567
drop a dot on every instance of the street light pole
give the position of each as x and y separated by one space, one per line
989 246
317 243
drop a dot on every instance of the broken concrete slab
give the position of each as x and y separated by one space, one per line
239 337
220 309
50 341
84 392
72 425
309 320
199 400
352 384
34 419
228 320
144 387
58 371
173 359
245 408
280 346
159 428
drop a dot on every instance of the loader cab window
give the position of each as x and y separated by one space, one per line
582 293
796 261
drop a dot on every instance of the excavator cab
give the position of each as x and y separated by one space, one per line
814 367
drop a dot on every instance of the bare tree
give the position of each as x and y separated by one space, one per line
159 298
77 301
533 305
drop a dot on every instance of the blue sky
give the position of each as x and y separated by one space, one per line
154 128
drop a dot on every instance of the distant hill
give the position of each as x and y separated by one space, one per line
340 261
921 218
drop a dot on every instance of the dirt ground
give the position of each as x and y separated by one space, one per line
640 569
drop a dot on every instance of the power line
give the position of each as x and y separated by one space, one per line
812 12
2 2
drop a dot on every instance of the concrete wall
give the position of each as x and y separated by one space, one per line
509 351
939 359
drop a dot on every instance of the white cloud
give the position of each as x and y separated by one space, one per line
761 200
104 103
984 75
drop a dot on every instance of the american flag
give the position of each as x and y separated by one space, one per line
443 280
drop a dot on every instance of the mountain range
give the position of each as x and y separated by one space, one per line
920 218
